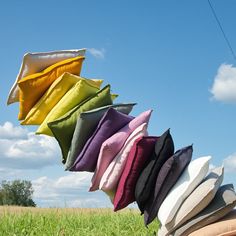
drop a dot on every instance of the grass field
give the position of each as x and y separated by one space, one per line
19 221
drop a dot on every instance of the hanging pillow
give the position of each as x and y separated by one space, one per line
86 125
32 87
226 226
113 145
164 149
189 180
36 62
63 128
197 201
167 177
137 159
222 204
111 177
111 121
52 96
82 90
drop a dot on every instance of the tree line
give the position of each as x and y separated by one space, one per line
17 193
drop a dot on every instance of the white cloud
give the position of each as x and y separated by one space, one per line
230 163
20 149
8 131
98 53
70 190
224 86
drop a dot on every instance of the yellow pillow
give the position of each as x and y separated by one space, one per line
52 96
32 87
81 91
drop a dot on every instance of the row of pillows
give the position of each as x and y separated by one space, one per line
52 97
98 136
179 192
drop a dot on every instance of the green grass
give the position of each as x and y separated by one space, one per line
19 221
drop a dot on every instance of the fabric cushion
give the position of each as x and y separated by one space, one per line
36 62
32 87
81 91
226 226
112 175
109 124
164 149
137 159
52 96
86 125
197 200
221 205
63 128
113 145
189 180
167 177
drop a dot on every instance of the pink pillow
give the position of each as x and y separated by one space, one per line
110 178
113 145
137 159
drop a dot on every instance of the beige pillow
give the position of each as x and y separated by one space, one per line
226 226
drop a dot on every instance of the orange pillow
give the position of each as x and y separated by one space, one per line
33 87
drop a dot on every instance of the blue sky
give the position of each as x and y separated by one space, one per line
164 55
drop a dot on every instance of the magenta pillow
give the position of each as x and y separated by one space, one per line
136 162
110 123
111 147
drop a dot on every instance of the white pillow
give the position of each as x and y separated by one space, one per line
188 181
36 62
111 176
198 200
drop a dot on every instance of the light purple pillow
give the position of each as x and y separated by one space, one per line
111 147
110 123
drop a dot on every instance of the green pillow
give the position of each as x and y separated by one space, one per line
63 128
85 126
82 90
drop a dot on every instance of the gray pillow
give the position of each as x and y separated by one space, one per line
85 126
198 200
222 204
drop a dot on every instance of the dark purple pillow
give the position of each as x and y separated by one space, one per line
110 123
164 149
167 177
